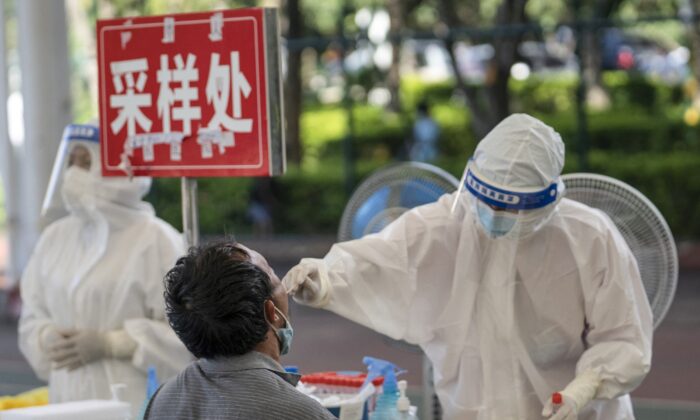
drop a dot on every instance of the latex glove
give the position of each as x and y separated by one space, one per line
575 396
49 337
86 346
308 283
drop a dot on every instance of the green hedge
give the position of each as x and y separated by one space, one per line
313 202
630 131
553 94
222 203
670 181
377 134
544 96
641 119
414 90
309 201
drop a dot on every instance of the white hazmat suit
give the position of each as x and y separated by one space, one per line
93 311
552 302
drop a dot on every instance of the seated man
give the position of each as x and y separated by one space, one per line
230 310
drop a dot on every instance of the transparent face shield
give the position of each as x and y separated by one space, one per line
508 212
79 148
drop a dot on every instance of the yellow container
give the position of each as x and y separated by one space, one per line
32 398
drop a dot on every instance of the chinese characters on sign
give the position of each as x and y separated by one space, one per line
191 95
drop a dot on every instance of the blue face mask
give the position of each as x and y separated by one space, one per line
284 335
495 223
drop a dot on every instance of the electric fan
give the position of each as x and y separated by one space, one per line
643 227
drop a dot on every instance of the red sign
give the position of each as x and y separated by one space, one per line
191 95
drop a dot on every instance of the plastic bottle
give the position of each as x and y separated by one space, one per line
152 382
291 369
403 405
385 408
151 388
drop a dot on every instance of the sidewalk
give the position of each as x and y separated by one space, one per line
3 262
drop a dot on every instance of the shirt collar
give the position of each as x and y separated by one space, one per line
249 361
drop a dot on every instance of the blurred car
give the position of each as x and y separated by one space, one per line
547 57
631 52
430 59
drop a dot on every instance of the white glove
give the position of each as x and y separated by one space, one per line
50 336
308 283
81 347
575 396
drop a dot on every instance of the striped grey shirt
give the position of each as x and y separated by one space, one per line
248 387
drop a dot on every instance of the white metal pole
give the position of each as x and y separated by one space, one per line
428 391
190 214
7 160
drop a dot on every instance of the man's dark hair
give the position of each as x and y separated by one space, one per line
214 298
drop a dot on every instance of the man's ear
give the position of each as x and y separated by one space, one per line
270 312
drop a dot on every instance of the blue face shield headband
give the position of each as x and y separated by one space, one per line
81 132
512 198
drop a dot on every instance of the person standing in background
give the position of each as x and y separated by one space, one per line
93 312
426 134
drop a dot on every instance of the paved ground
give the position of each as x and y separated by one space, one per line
324 341
3 258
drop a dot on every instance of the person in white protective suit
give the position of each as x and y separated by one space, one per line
512 291
93 312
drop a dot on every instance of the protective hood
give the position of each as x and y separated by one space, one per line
521 152
514 177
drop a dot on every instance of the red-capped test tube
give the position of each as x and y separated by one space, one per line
556 398
556 402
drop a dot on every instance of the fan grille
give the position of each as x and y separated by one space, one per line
388 193
643 228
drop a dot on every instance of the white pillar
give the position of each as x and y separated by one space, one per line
8 161
43 45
